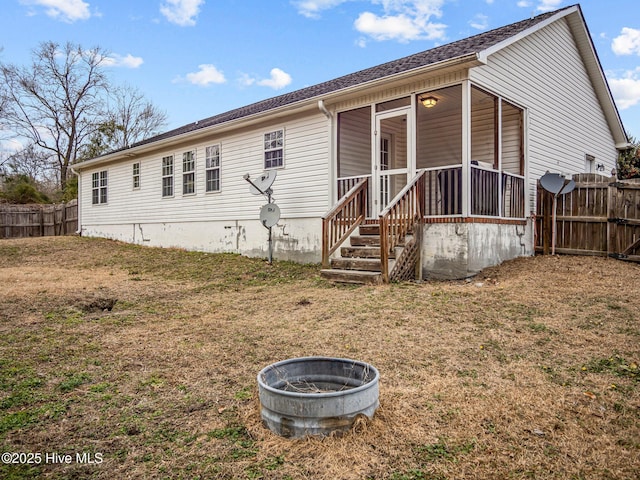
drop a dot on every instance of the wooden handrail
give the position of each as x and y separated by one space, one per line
399 218
343 219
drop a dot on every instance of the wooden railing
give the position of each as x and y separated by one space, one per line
512 195
343 219
399 218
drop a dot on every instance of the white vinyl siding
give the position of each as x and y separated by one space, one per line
301 189
545 72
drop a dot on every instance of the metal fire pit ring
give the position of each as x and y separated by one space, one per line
316 395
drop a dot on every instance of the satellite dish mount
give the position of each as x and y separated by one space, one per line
556 184
269 213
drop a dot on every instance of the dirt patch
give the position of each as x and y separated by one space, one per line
149 358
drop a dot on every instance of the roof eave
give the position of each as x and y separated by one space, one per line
589 55
463 61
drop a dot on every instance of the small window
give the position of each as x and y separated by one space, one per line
136 176
167 176
212 168
274 149
99 188
189 173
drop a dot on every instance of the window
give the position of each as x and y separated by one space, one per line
189 173
212 168
136 176
167 176
274 149
99 188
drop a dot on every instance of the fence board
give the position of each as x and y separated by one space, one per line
19 221
601 216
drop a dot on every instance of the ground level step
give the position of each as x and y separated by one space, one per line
351 276
366 264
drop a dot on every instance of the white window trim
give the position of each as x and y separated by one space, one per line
284 147
102 200
189 172
208 169
136 175
172 176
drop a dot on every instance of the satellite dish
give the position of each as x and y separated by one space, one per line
556 183
269 214
260 185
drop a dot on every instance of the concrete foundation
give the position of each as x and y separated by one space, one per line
298 240
453 251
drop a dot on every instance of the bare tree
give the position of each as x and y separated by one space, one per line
32 162
135 117
56 100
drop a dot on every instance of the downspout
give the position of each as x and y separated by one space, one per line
324 110
79 230
331 157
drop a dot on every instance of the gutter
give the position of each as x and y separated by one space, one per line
307 103
324 110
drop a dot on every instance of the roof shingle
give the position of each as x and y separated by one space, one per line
459 48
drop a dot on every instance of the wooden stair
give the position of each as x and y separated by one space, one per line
359 262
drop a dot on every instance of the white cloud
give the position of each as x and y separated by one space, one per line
127 61
543 5
479 22
548 5
626 90
66 10
403 20
207 75
627 43
181 12
312 8
279 79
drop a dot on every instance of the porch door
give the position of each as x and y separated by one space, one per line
392 152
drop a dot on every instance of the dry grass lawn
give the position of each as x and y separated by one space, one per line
145 361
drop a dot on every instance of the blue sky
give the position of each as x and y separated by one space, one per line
197 58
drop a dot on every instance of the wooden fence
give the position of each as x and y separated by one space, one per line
17 221
601 216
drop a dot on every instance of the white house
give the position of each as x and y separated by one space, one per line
443 147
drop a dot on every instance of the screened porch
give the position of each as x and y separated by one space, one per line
390 143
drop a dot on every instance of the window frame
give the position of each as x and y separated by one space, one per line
189 174
211 169
135 176
168 170
268 148
99 187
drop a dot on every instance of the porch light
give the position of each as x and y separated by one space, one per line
428 102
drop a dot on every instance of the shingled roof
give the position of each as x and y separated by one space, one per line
459 48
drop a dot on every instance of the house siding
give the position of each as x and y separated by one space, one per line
545 73
227 220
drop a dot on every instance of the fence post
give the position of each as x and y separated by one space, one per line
547 222
612 197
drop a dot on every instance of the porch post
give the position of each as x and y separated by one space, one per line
466 148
